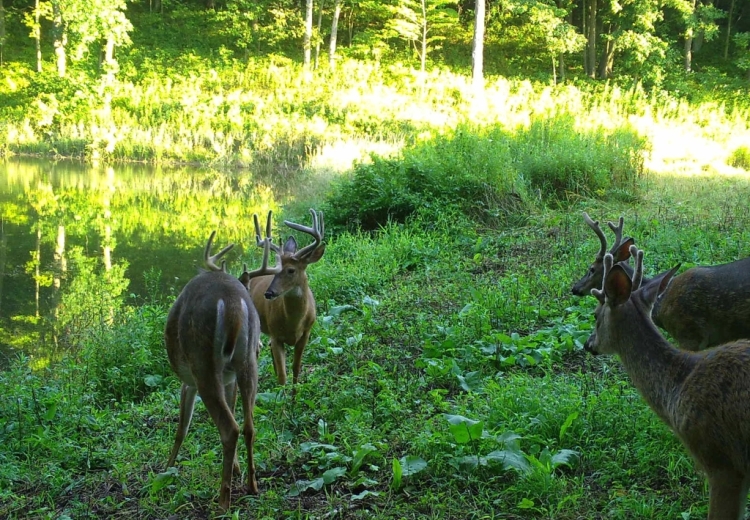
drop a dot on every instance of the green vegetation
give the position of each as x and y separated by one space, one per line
446 364
445 377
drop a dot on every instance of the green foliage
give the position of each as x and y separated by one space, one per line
488 173
740 158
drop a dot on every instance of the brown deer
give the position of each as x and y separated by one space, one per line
703 307
285 303
211 335
702 396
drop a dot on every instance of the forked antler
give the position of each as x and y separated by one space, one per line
617 230
594 224
267 246
317 231
210 261
638 273
608 263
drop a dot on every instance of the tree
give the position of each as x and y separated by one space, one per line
307 43
334 33
477 50
742 41
700 25
2 30
421 23
318 39
590 31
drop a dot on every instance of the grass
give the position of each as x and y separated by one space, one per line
439 341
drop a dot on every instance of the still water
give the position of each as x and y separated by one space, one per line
71 233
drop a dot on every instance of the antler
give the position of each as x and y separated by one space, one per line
210 261
316 231
638 273
608 263
268 246
594 224
617 230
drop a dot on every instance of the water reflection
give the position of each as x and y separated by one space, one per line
73 235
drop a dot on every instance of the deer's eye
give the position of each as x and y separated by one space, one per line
290 270
592 269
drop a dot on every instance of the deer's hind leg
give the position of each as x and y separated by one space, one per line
728 494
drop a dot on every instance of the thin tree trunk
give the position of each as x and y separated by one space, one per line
307 43
37 262
3 257
2 30
689 34
423 64
729 30
60 38
334 34
477 51
320 22
606 64
110 66
61 263
591 36
38 36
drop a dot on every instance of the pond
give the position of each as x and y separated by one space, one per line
73 234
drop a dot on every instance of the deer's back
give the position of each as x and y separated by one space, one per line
712 411
191 327
707 306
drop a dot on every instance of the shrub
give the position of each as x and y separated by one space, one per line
740 158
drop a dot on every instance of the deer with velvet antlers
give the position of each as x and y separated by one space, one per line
703 307
704 397
212 336
285 303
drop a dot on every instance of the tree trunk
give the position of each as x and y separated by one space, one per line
61 263
689 33
110 66
423 60
60 38
729 30
591 40
606 64
334 34
320 22
308 31
2 30
3 258
38 36
477 50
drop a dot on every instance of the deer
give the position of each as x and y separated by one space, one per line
702 396
212 335
285 303
703 307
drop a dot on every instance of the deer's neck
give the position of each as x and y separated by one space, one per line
656 368
296 301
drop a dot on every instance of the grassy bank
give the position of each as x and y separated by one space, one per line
445 380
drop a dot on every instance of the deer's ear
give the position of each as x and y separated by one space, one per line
290 246
617 286
623 252
317 254
658 285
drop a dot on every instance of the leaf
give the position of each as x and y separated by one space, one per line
568 422
526 504
153 381
162 480
359 456
510 459
410 465
364 494
464 429
566 457
468 462
471 381
339 309
332 474
370 302
397 474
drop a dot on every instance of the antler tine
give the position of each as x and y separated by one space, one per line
609 261
276 249
617 230
264 269
638 273
316 231
594 224
210 261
